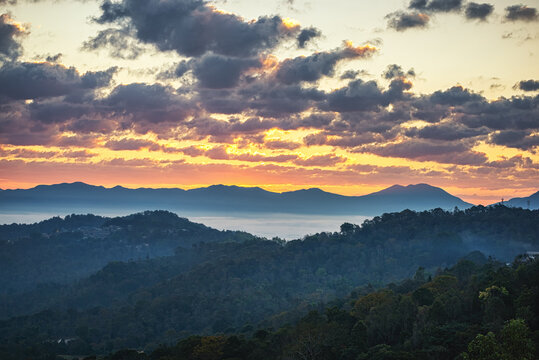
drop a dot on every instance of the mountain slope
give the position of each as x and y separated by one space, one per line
531 202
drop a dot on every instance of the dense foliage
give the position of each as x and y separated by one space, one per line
229 287
468 312
62 250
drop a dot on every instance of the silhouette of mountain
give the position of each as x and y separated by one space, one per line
531 202
78 196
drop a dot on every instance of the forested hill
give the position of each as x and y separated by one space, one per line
62 250
233 287
467 312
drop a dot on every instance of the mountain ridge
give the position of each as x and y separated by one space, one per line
79 196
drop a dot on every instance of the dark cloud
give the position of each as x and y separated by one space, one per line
131 144
350 74
516 113
514 138
307 35
40 80
447 132
120 43
421 150
86 123
415 148
520 13
320 160
395 71
78 154
456 95
475 11
350 141
98 79
528 85
176 71
402 21
515 161
220 153
265 97
205 126
53 58
313 67
420 10
218 72
10 33
143 105
191 28
359 95
436 5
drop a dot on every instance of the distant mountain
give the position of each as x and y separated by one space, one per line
80 197
531 202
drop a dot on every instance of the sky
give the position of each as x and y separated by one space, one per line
347 96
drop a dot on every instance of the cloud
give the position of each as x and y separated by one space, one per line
265 97
142 105
447 132
26 80
320 160
10 34
418 15
191 28
455 152
312 68
402 21
307 35
351 74
359 95
516 113
475 11
131 144
456 95
119 42
515 161
220 153
520 13
528 85
520 139
436 5
218 72
395 71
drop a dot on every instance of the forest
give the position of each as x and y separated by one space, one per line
230 295
466 312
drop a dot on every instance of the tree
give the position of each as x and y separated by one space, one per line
484 347
516 342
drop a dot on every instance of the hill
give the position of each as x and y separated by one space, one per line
233 287
529 202
62 250
470 311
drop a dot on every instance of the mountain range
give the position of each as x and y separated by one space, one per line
80 197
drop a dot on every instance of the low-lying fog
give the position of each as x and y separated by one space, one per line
285 226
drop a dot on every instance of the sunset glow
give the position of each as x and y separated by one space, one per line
243 94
